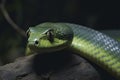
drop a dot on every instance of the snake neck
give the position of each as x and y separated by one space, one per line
97 47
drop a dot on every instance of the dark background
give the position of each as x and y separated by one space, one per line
97 14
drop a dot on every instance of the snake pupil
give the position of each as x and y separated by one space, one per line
36 42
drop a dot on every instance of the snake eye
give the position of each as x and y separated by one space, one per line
50 35
28 32
36 42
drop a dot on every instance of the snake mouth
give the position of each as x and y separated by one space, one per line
37 49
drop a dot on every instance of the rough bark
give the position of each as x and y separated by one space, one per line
74 68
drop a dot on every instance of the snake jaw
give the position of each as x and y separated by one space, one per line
47 46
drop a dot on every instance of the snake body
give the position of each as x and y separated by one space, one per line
95 46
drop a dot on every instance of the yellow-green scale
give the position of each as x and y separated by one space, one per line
96 55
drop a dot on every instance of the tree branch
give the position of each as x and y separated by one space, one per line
9 20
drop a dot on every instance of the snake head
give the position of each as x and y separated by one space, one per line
49 37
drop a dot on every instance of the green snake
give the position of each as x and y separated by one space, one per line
91 44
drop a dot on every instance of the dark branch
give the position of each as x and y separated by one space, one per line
9 20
